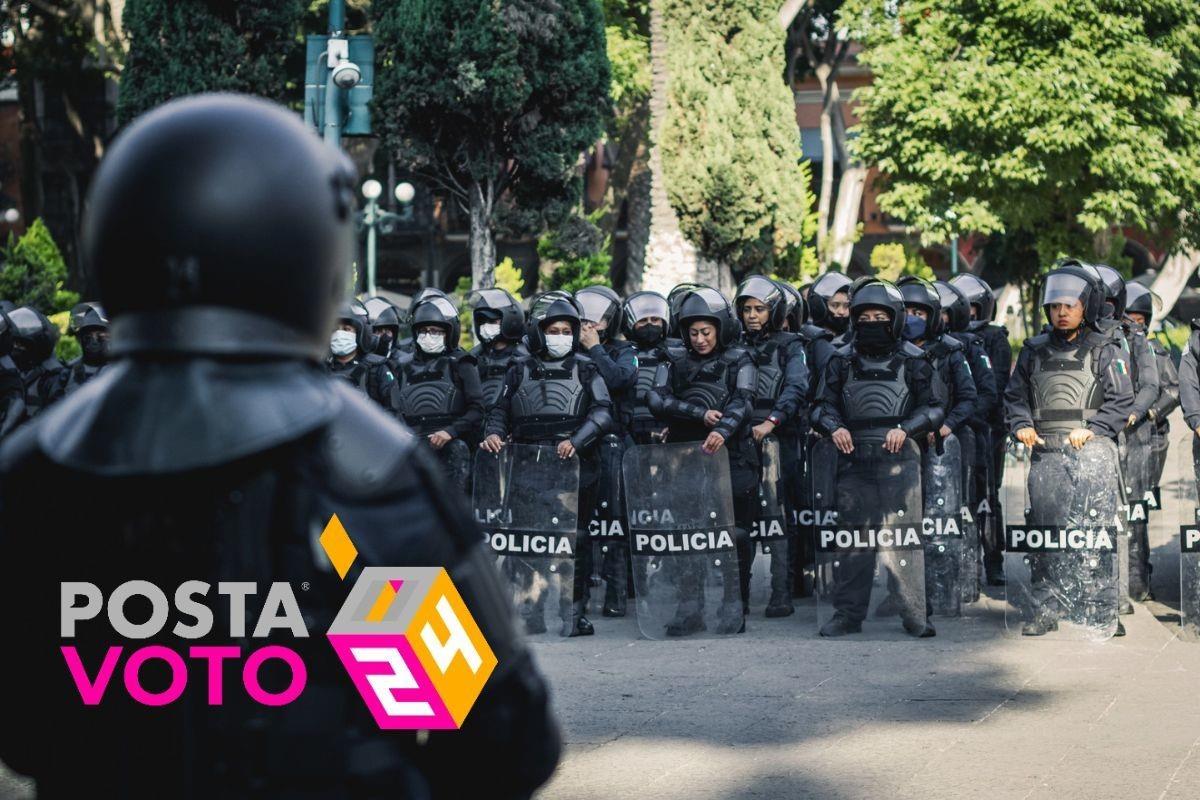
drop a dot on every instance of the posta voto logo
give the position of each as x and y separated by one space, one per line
404 635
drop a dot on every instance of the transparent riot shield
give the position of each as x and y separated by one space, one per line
941 526
769 577
682 540
969 514
526 500
1138 472
1182 497
608 534
1060 564
869 543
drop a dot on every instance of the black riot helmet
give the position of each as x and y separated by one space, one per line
600 305
33 337
978 294
922 294
822 291
795 306
497 305
441 312
546 308
643 305
1070 281
87 315
956 306
1114 289
876 293
707 303
767 292
382 314
1140 300
354 314
220 225
675 299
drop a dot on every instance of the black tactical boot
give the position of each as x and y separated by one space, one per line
686 624
840 625
1040 626
914 625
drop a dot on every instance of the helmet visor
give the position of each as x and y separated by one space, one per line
1060 288
648 305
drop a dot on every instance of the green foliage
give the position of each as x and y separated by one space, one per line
67 348
576 255
181 47
510 277
896 259
499 96
34 272
731 152
1049 120
627 37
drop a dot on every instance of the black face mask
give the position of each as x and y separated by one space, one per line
839 325
648 334
95 350
874 337
22 358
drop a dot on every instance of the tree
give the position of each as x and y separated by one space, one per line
730 151
817 45
33 272
493 103
1053 121
181 47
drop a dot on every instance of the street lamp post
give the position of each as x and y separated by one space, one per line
373 218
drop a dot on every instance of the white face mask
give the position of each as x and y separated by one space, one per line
558 345
431 342
343 343
489 331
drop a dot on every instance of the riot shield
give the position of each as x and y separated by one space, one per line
1182 496
526 500
1060 564
769 579
941 484
869 543
607 532
1139 475
969 513
682 540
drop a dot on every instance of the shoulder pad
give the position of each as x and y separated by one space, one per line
373 359
814 332
998 329
477 350
1095 339
1039 340
735 353
460 356
675 349
620 345
583 359
950 344
364 448
912 351
844 350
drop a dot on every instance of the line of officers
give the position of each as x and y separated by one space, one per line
856 362
588 373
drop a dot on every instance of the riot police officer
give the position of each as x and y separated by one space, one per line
217 449
1070 385
954 389
709 398
384 319
12 388
829 304
1139 311
436 390
89 325
1137 439
34 338
781 363
978 438
876 401
556 396
352 356
499 327
818 349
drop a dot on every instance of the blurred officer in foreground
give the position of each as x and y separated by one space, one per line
218 449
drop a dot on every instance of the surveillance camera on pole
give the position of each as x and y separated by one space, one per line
346 75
